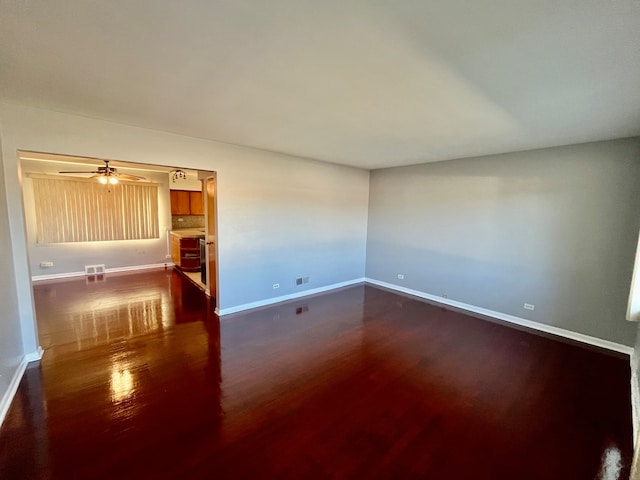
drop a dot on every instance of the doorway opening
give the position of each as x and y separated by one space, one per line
59 261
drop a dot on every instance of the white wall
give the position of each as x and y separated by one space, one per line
556 228
278 216
190 183
11 348
72 257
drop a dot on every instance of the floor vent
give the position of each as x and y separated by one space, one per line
94 269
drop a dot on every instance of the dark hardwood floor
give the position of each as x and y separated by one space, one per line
141 380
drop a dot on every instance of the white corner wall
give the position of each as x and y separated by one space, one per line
279 216
12 361
633 308
556 228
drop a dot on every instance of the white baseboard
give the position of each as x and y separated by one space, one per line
7 398
140 267
55 276
561 332
34 356
635 400
270 301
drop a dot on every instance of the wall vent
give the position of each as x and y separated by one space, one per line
94 269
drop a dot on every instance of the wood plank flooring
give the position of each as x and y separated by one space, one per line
141 380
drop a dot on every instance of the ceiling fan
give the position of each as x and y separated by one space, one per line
109 174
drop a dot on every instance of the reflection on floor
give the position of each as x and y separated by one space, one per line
196 278
76 314
141 380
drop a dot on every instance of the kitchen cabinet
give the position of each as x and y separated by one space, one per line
180 204
184 202
185 252
196 204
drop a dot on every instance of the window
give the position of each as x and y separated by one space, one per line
78 210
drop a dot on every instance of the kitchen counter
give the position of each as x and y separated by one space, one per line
188 233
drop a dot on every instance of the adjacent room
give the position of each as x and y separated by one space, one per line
99 216
320 240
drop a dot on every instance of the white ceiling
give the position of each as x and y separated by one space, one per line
369 84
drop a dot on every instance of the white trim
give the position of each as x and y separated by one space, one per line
635 399
35 356
6 400
140 267
561 332
633 305
38 278
270 301
55 276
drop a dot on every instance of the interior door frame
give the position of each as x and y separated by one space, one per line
209 191
71 158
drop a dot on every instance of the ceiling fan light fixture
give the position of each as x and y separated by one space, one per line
107 175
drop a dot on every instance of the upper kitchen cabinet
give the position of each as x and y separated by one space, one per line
180 202
184 202
196 203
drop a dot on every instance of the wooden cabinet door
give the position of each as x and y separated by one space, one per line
196 204
180 202
175 250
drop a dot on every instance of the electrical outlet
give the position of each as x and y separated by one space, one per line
302 280
400 276
528 306
444 295
46 264
276 285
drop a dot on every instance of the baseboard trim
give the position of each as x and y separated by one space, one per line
6 400
635 399
561 332
34 356
283 298
56 276
140 267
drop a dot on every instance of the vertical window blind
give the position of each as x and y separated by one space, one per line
74 210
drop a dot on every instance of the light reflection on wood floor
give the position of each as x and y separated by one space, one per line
141 380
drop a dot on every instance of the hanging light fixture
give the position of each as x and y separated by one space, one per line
178 174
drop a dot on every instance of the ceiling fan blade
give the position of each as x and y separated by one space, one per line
126 176
80 172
